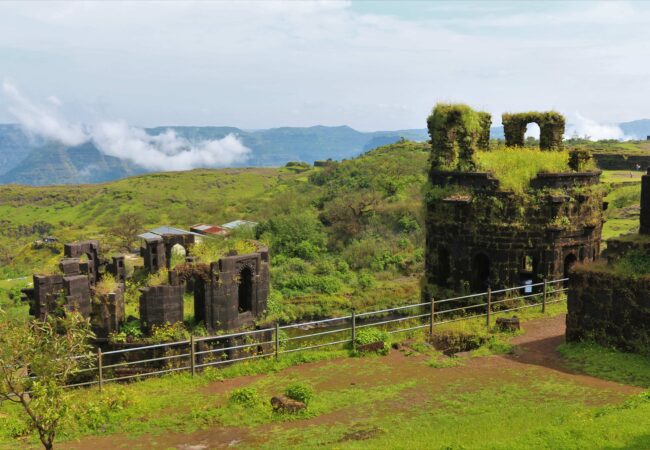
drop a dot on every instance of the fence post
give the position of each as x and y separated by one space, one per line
544 296
277 340
433 314
192 355
489 306
100 368
354 331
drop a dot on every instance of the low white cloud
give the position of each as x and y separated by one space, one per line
586 128
164 151
42 120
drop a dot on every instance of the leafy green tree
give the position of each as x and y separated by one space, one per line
36 363
301 235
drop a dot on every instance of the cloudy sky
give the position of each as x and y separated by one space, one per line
368 65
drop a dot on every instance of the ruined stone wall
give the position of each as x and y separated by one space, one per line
551 128
457 132
607 161
479 236
608 308
154 255
91 250
217 300
161 304
108 313
157 252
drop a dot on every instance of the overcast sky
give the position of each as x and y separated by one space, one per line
372 66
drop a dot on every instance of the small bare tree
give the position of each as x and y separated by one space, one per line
126 228
35 364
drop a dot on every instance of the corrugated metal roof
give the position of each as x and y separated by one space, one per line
239 223
208 229
158 232
148 236
169 230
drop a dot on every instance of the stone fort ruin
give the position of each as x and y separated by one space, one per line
609 300
479 235
228 294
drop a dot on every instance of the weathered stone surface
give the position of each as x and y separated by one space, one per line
89 249
508 323
161 304
282 403
157 252
234 292
551 128
609 308
371 347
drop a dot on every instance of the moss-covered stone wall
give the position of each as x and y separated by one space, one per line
457 131
519 237
480 235
609 308
551 128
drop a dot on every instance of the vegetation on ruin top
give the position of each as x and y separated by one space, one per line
515 167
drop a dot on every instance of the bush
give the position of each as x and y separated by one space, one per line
371 335
300 392
247 396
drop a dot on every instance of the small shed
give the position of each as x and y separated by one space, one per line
209 230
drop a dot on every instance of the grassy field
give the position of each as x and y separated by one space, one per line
485 399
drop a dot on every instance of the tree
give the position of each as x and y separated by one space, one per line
126 228
36 363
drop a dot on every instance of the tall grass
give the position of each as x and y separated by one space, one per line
514 167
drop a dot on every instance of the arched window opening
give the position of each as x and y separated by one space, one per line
569 262
528 264
246 290
480 272
444 266
178 254
532 134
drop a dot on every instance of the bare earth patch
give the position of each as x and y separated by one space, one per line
535 358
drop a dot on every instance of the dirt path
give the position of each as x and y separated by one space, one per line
535 358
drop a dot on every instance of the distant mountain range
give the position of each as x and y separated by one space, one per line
25 159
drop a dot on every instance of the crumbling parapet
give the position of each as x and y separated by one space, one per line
75 287
91 250
457 131
157 251
551 128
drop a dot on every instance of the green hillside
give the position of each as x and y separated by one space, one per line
26 160
348 233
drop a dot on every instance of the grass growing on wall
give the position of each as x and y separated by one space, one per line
515 167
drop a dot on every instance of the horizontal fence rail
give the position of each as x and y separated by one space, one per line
213 351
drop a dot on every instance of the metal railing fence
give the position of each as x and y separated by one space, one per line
218 350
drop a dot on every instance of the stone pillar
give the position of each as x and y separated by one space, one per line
645 203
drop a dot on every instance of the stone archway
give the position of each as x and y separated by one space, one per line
177 255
